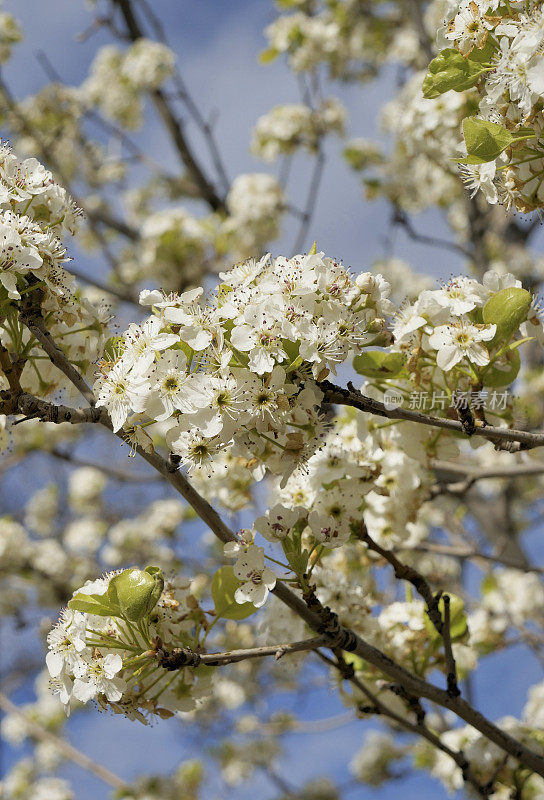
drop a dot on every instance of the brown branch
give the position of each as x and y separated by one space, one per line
311 201
11 369
111 472
65 748
172 123
401 218
321 620
451 667
183 657
34 408
408 573
404 572
525 440
348 640
30 314
466 553
276 650
184 94
127 296
379 707
336 636
472 475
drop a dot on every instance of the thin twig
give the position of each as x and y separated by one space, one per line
400 218
451 667
183 656
325 623
466 553
173 125
311 201
112 472
124 296
31 316
472 475
276 650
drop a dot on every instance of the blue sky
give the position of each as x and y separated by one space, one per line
218 43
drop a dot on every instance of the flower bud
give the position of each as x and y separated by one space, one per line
507 310
136 591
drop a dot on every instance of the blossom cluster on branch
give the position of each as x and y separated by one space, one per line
498 49
356 508
241 369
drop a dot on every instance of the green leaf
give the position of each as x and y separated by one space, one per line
112 347
507 310
222 293
136 592
361 158
98 604
379 364
298 561
487 140
488 584
486 53
458 619
313 249
495 377
268 55
224 585
449 70
356 661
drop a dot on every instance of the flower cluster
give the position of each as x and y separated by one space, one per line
109 645
464 336
255 203
287 128
10 34
34 213
118 78
418 173
173 247
34 210
350 41
241 369
499 49
487 760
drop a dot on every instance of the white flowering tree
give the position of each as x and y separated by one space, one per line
361 448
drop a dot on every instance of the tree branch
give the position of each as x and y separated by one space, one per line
111 472
321 620
467 553
401 218
31 316
472 475
34 408
182 657
406 573
171 122
451 667
379 707
184 94
311 201
352 397
126 296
